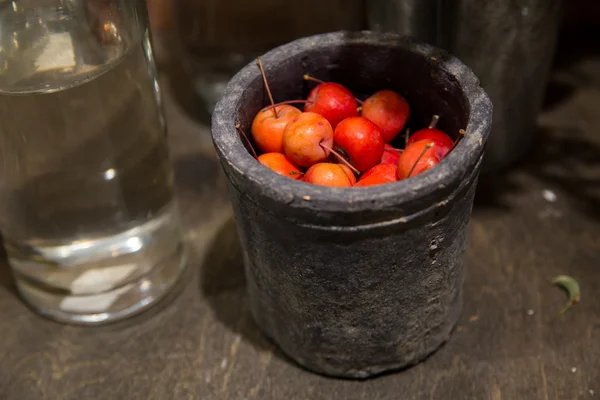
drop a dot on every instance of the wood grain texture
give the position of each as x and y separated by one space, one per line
201 342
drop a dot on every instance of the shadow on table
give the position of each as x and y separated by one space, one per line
223 284
575 44
197 174
564 158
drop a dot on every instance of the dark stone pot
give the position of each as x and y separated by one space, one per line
352 282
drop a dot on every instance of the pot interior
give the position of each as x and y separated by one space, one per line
364 69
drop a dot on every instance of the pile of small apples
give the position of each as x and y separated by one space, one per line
338 140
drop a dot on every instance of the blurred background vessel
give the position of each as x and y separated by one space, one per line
510 45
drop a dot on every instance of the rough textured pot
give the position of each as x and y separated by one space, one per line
356 281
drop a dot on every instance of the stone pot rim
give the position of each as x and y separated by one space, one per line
411 193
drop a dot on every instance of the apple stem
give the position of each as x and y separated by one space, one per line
406 137
240 130
307 77
262 72
427 147
284 103
359 109
342 159
434 121
461 133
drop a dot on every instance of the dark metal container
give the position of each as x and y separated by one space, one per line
427 20
508 44
352 282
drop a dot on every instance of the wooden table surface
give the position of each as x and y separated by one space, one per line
201 342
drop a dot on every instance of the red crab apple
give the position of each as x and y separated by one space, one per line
333 101
329 174
387 171
303 138
361 141
269 124
373 180
442 142
268 127
280 164
390 155
378 175
416 158
388 110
